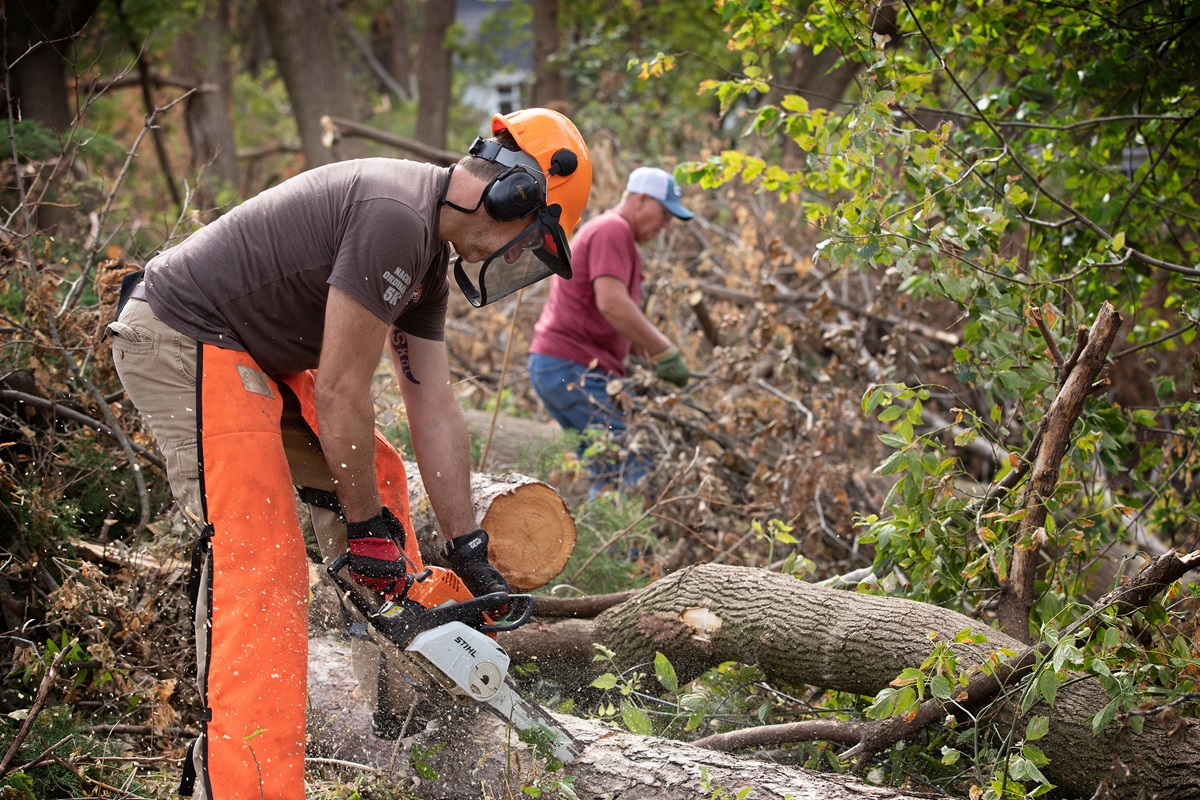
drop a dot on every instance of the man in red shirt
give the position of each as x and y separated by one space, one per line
591 323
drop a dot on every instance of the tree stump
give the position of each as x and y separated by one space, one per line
531 532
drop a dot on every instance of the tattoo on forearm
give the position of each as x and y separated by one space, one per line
399 345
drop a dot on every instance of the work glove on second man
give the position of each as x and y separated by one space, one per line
669 366
468 557
376 548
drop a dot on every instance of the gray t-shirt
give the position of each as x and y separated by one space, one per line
257 279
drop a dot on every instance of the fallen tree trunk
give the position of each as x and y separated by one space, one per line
804 634
483 760
799 633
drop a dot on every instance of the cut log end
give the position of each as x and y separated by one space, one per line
532 535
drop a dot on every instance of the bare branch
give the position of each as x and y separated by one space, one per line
36 709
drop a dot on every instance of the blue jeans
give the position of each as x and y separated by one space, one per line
577 399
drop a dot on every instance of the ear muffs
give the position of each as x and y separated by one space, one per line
513 195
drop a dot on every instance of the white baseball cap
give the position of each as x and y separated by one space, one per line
659 184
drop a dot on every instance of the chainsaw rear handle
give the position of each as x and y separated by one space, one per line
517 609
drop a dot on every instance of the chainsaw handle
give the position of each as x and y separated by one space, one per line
518 608
365 607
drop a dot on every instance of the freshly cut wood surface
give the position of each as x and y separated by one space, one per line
531 531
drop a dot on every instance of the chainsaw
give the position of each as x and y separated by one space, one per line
450 635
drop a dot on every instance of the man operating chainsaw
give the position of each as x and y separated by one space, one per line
249 350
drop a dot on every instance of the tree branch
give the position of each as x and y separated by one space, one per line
336 126
1016 593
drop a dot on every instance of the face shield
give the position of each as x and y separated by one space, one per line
537 253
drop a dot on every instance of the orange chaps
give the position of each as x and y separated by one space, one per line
250 579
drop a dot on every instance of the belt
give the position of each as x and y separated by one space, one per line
139 291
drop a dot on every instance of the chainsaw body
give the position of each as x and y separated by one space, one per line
450 635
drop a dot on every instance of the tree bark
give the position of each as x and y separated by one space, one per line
202 57
434 74
550 85
301 36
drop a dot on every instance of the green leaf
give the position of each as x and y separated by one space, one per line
1048 686
1037 728
1105 716
1118 241
1034 754
891 413
795 103
665 673
605 681
635 719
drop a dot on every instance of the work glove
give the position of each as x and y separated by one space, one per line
670 367
467 555
376 552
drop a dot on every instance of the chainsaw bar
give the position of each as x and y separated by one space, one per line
450 644
469 664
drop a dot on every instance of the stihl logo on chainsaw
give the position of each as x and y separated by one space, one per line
465 645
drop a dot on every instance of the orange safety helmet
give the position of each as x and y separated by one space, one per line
548 182
554 141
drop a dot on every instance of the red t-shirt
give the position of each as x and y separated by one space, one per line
571 326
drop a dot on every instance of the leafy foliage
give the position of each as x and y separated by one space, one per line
960 170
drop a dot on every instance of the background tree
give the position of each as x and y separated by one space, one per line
549 82
434 76
39 40
393 36
202 58
302 44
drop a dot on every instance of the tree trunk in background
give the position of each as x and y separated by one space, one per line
550 85
38 39
202 55
38 78
391 36
434 72
302 43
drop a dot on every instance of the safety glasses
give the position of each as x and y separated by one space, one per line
537 253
